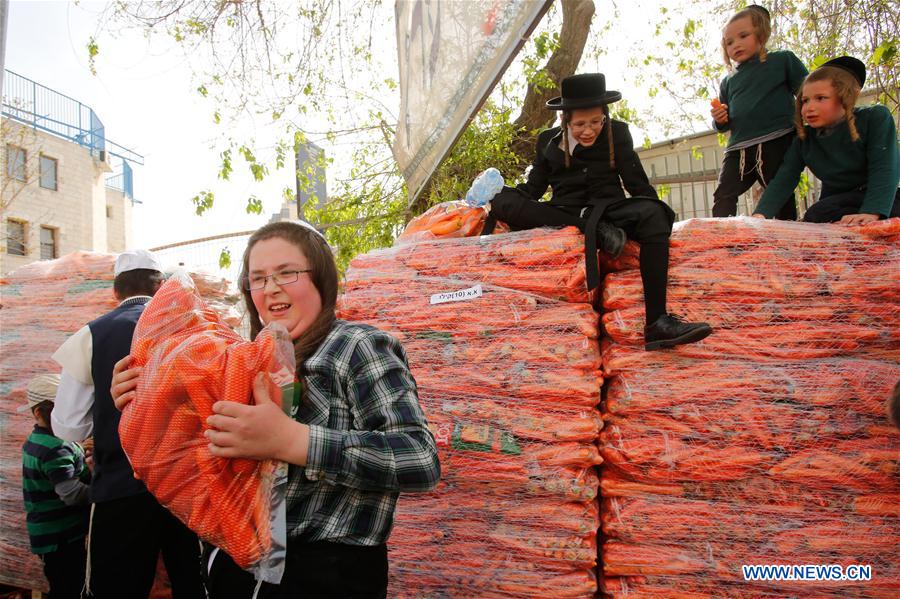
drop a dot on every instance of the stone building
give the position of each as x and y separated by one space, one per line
65 186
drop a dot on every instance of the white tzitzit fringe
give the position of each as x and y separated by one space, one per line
86 589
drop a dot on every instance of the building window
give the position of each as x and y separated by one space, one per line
15 163
48 244
48 172
108 211
15 237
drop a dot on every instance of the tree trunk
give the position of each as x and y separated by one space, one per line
576 25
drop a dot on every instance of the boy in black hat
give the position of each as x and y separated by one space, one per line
586 161
851 149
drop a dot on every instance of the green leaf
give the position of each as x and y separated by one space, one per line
225 168
885 52
203 201
259 171
225 258
93 51
254 205
818 61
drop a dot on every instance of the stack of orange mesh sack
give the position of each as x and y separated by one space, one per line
502 341
41 304
767 443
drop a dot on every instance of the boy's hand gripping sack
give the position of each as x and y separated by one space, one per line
190 360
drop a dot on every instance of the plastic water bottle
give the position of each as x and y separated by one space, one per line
485 187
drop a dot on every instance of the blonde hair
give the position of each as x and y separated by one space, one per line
845 86
567 116
762 29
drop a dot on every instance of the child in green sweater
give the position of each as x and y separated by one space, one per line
756 104
851 149
55 483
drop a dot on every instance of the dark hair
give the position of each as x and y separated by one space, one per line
323 276
845 86
567 116
43 410
140 281
894 406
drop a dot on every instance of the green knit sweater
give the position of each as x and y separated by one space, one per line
842 164
760 95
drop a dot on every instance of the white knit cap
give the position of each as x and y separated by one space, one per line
135 259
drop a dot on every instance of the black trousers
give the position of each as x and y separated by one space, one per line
320 570
646 221
832 207
733 182
64 569
127 537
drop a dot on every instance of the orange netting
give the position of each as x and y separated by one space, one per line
41 305
546 262
447 220
191 360
509 382
768 442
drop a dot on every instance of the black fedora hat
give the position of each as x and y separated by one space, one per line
853 65
583 91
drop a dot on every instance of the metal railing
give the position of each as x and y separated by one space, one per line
46 109
685 172
123 181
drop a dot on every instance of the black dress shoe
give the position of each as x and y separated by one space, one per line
669 331
610 239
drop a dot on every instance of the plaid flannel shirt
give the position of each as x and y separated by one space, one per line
368 439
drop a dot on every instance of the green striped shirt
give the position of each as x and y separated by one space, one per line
46 462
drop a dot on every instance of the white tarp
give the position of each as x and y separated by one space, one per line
451 55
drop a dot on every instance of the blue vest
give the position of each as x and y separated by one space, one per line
111 338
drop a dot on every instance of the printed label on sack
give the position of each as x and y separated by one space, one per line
480 437
443 433
474 437
457 296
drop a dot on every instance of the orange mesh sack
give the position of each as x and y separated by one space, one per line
503 345
191 360
546 262
447 220
767 443
41 305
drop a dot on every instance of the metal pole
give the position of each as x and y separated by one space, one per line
4 11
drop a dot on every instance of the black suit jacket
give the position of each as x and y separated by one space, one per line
589 180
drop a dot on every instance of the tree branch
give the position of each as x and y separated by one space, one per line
576 25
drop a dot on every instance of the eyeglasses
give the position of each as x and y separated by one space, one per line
285 277
595 124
